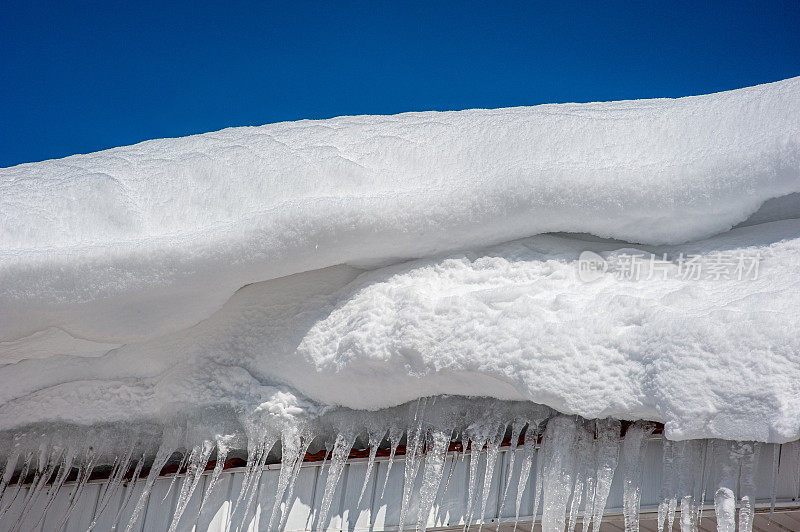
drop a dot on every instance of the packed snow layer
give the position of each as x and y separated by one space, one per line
708 357
267 269
127 244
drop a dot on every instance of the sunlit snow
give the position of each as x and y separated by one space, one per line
319 283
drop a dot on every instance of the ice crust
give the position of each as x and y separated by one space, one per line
368 261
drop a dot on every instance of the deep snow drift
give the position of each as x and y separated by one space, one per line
281 271
211 269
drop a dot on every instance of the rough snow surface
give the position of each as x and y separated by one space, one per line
368 261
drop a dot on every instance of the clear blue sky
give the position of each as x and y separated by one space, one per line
77 77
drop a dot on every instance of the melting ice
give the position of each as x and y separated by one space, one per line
565 465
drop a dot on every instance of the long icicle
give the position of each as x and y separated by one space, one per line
375 439
516 431
531 439
475 448
413 451
557 470
8 471
39 484
724 497
666 507
492 449
452 468
341 450
432 476
307 438
181 467
291 449
749 459
633 447
255 478
135 479
64 470
18 486
777 448
395 435
607 459
163 453
583 453
219 465
113 482
197 464
84 472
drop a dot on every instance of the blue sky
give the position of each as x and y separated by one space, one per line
77 77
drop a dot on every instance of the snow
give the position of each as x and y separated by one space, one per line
709 358
210 270
131 243
239 284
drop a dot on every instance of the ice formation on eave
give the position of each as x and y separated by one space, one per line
247 285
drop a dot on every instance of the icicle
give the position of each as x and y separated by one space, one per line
292 451
254 457
413 451
219 465
773 491
475 447
20 481
725 509
306 441
607 459
113 482
395 435
492 449
32 488
708 460
666 508
688 514
447 482
531 440
724 498
42 464
255 468
591 493
181 466
583 454
341 450
432 476
796 469
375 439
749 453
8 471
40 482
80 482
557 470
590 482
516 431
529 446
194 457
162 455
137 471
197 464
689 473
64 469
633 446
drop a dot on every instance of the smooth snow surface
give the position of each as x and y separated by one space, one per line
368 261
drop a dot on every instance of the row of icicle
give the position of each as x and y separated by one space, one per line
573 469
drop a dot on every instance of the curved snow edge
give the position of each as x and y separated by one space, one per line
135 242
